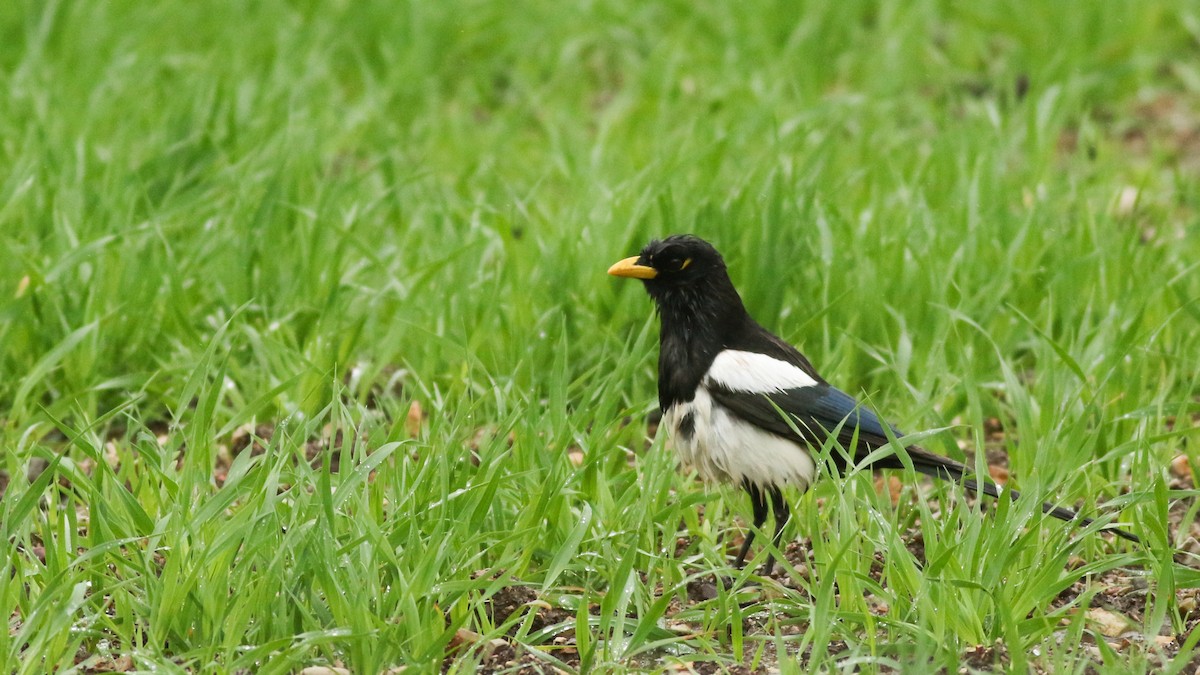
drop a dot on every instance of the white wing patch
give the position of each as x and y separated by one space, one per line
755 373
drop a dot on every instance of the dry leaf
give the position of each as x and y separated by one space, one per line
993 428
575 454
1109 623
106 664
1127 199
891 486
1187 604
999 474
462 637
112 455
1180 467
414 419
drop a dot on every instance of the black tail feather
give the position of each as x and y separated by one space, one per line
947 469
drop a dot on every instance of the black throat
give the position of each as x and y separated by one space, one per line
698 321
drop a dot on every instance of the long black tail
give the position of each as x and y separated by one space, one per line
945 468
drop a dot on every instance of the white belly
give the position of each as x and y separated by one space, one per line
722 448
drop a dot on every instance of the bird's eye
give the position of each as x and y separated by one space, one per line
673 261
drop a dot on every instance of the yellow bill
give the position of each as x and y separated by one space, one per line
629 267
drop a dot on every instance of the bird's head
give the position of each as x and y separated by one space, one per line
679 260
682 272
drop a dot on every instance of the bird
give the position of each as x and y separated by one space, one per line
743 406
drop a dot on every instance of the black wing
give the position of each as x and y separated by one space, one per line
818 410
815 411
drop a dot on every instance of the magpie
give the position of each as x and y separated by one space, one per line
743 406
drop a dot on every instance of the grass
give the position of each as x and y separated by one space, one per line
307 354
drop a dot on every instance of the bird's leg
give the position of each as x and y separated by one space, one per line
758 502
782 513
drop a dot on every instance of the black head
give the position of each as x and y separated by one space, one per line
677 262
686 276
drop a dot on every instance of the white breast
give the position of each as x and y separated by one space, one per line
723 448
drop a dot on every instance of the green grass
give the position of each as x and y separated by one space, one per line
303 217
